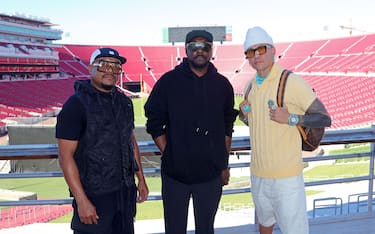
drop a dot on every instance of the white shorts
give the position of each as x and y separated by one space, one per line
281 201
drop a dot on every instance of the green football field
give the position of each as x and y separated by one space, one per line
140 118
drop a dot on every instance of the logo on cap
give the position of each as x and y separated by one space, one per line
106 52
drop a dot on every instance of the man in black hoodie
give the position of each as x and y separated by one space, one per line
98 152
190 115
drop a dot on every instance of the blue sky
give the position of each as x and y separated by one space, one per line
138 22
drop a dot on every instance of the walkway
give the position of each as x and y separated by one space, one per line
225 224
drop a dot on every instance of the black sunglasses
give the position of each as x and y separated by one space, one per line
196 45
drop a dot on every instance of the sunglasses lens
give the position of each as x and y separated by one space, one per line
194 46
104 66
261 50
250 53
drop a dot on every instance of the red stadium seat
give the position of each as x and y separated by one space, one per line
341 70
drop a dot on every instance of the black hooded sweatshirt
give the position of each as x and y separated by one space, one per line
195 113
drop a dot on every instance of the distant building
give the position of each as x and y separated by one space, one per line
26 48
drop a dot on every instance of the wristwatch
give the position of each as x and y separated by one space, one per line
293 120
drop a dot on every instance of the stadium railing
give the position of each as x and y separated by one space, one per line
148 148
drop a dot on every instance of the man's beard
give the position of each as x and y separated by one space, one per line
107 87
198 66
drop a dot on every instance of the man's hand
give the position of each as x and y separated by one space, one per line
279 114
225 174
243 108
142 191
87 212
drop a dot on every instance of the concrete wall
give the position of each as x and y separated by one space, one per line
31 134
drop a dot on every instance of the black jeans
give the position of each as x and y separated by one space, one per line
116 213
176 195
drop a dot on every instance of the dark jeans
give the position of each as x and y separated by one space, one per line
116 213
206 197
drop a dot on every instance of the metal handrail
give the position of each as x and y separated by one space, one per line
148 148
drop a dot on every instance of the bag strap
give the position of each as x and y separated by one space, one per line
280 97
281 89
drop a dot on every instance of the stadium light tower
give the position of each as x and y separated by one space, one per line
351 28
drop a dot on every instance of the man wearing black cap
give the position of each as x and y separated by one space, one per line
190 115
98 152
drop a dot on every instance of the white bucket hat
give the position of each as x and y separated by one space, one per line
256 35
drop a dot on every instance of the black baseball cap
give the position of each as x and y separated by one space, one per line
198 33
106 52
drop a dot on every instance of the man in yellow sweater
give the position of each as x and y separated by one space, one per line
276 158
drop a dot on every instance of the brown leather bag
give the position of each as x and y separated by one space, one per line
311 137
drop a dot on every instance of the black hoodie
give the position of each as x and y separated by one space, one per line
195 113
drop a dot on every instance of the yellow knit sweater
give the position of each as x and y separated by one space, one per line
276 148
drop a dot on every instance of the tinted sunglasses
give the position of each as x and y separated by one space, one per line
105 66
196 45
250 53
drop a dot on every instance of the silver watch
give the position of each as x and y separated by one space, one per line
293 120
